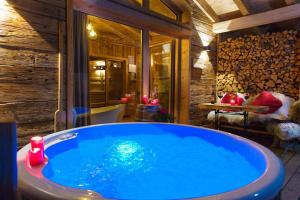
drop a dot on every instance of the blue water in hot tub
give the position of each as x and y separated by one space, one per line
153 161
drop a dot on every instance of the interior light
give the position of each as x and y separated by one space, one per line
100 63
93 34
89 27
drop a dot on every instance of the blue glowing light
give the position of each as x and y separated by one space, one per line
127 154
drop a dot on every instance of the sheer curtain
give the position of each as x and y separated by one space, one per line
81 74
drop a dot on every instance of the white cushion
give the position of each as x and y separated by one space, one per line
233 118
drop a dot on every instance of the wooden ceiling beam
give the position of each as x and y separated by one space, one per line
272 16
135 17
240 4
207 10
172 6
183 5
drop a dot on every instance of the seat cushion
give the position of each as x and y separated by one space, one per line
267 99
232 118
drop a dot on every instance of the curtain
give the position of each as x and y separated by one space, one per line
81 70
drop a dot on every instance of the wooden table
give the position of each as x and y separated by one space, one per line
221 108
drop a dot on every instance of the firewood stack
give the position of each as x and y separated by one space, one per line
254 63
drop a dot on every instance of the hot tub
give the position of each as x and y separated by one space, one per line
150 161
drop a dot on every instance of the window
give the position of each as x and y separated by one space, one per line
161 8
131 2
114 66
161 70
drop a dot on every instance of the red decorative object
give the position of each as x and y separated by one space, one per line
239 101
227 97
154 102
267 99
36 152
145 99
129 97
232 102
124 100
232 99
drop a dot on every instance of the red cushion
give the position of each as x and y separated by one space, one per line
267 99
229 96
239 101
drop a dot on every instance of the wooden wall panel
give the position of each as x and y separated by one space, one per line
38 7
27 20
20 38
29 63
203 73
28 75
103 47
15 92
10 56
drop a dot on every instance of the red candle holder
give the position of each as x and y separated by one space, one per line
154 102
145 99
128 96
36 152
124 100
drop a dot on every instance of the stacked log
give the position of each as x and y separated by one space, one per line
254 63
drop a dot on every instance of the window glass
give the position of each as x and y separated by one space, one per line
161 70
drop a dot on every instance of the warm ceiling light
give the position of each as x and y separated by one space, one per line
100 63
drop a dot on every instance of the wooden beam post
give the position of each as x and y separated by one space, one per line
184 81
145 62
8 160
207 10
177 75
272 16
240 4
70 64
60 114
136 17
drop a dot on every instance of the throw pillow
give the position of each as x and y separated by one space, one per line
267 99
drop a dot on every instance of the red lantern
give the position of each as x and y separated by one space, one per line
124 100
36 152
145 99
154 102
129 97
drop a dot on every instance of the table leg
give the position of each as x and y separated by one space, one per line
216 119
245 119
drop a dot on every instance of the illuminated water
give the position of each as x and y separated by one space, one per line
148 162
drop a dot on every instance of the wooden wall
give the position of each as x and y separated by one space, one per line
111 47
29 63
203 70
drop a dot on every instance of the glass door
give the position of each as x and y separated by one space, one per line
97 82
162 70
116 81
